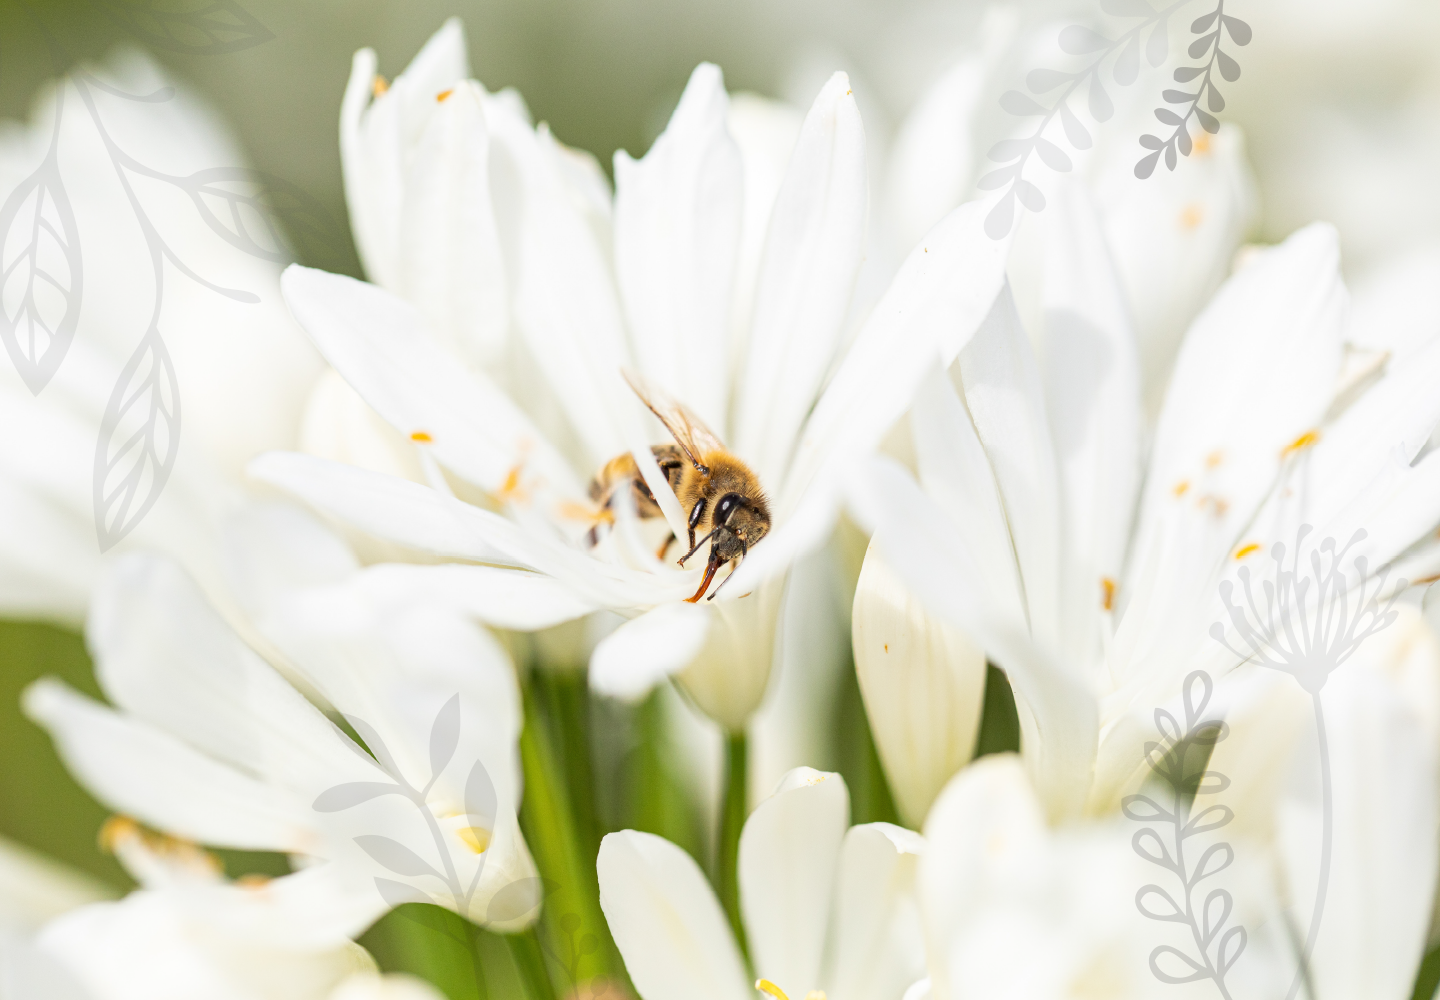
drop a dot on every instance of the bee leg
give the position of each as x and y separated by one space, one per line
710 569
696 515
665 545
592 537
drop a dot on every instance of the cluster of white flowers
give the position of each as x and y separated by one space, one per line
331 638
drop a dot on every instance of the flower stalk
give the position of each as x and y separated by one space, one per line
732 820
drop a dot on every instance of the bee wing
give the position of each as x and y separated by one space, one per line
688 430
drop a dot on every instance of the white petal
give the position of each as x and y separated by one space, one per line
667 922
1257 371
35 888
876 946
677 223
1006 401
926 317
391 986
421 518
765 131
923 682
449 251
498 597
146 947
630 661
1174 237
987 812
956 472
812 253
163 655
728 677
1059 713
1382 877
789 850
374 140
564 300
383 347
154 777
1092 381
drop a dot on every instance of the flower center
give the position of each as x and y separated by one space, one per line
766 986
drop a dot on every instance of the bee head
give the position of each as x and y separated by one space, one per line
739 524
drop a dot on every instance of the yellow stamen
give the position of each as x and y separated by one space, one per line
379 86
444 94
1181 487
1213 459
766 986
1245 550
477 838
1202 143
1191 216
1107 585
1303 441
421 437
253 881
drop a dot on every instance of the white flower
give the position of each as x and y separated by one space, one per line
996 883
667 308
1095 596
243 369
825 908
209 743
190 933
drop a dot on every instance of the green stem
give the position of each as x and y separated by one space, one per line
574 925
530 964
732 821
569 702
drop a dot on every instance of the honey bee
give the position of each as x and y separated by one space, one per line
721 497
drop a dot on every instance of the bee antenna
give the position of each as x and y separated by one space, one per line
697 545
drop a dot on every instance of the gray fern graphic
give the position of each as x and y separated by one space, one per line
1178 759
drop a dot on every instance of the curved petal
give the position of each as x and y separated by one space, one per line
374 139
163 655
501 598
1060 713
152 776
1254 378
677 224
1004 395
450 262
382 346
419 517
812 253
937 301
630 661
667 922
876 945
923 683
789 850
1092 395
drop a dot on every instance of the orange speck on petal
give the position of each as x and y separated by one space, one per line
1191 216
1426 579
1214 459
421 437
378 86
1181 487
1107 588
1245 550
253 881
1202 143
887 647
444 94
1300 443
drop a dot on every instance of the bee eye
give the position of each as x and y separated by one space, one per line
727 505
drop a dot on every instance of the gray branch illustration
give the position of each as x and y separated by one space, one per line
1308 626
1177 759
